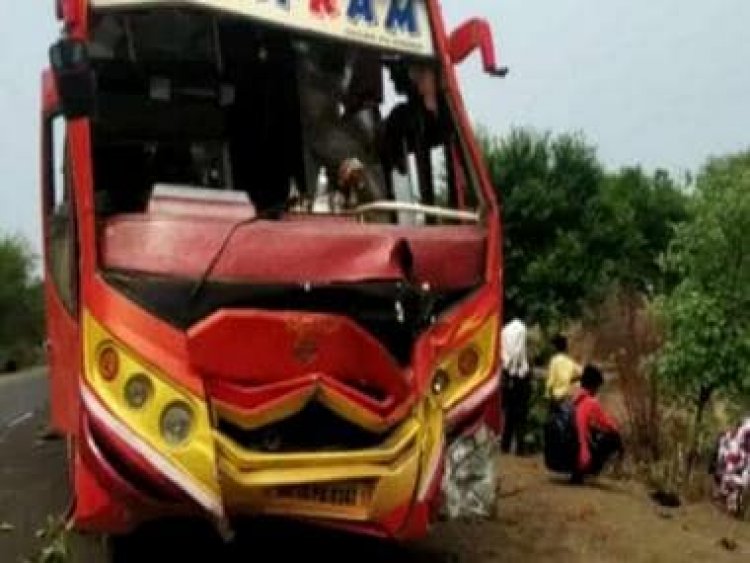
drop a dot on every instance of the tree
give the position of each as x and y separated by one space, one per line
547 187
707 315
571 230
640 214
21 310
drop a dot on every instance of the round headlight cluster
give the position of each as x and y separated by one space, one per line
176 423
138 390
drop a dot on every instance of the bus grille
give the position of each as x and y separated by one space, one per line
314 429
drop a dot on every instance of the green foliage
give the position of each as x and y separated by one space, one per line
545 186
538 412
708 314
704 351
713 251
21 303
571 230
639 216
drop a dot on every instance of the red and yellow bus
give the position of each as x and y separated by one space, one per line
273 263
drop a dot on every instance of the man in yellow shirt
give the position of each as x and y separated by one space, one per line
563 372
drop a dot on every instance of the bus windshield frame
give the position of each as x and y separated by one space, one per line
174 110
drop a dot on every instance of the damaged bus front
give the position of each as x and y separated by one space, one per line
272 262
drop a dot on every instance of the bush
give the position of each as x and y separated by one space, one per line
21 304
707 315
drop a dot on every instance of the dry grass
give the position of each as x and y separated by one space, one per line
623 335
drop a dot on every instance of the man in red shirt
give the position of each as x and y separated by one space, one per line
598 435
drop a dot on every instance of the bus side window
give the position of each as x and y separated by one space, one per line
59 213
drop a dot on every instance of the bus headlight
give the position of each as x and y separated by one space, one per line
176 423
468 365
108 362
138 390
468 361
166 423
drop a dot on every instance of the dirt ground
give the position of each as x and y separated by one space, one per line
542 519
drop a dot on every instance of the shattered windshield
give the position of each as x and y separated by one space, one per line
292 124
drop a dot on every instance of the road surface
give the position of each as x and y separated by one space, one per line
20 395
32 468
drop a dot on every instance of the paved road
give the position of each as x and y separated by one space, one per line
32 469
20 395
33 486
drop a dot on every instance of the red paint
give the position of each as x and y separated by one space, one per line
96 504
473 34
181 245
446 336
97 436
105 500
64 363
63 340
323 8
75 15
220 346
494 252
159 242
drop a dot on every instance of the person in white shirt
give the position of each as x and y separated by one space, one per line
516 386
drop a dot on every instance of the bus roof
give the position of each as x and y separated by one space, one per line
397 25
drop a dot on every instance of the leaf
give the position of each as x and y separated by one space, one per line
707 313
571 230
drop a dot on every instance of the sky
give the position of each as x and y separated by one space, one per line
663 83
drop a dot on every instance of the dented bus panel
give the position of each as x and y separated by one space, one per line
273 264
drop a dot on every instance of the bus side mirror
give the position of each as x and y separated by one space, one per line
74 77
470 36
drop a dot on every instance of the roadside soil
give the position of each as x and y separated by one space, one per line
543 519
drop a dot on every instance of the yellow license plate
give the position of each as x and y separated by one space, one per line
336 494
